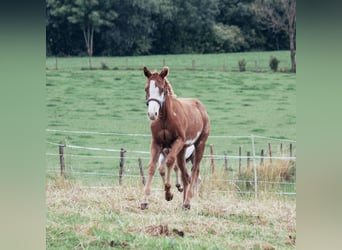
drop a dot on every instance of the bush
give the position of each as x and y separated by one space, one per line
274 64
104 66
242 65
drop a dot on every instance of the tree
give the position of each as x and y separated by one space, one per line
89 15
280 15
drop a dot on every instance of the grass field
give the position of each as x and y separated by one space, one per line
239 103
110 218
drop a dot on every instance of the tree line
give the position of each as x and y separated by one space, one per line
143 27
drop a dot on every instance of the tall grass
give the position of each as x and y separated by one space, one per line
102 218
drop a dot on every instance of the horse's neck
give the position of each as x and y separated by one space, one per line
164 109
169 98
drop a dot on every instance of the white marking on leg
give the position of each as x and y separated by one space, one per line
189 150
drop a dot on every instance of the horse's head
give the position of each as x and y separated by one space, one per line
157 88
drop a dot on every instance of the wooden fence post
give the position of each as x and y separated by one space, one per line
270 152
61 158
281 149
239 161
290 149
141 171
122 163
212 162
225 162
248 158
262 157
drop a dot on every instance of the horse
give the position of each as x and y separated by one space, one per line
189 156
175 123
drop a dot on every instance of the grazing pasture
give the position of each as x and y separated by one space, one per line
112 102
238 103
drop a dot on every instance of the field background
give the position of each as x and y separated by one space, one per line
257 101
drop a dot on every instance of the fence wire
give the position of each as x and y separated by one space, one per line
242 177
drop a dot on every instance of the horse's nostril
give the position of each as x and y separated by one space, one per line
155 113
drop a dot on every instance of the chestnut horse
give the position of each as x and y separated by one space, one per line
176 123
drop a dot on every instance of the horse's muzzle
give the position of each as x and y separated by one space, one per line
152 115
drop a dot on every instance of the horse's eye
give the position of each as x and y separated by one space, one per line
146 103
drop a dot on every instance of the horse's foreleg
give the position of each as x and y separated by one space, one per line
168 194
177 146
155 152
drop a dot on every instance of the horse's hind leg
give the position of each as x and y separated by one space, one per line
184 171
199 149
162 163
178 186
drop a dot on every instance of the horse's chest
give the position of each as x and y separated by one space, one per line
164 137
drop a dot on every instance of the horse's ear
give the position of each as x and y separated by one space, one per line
164 72
147 73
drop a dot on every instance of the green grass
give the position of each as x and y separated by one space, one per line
238 103
218 62
85 218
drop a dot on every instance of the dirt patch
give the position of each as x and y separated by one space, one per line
162 229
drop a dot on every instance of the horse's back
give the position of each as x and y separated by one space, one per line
192 105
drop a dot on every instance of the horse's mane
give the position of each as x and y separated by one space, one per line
169 88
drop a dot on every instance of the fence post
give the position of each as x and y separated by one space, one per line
212 162
61 158
141 171
225 162
239 161
281 149
248 158
270 152
262 157
122 163
255 170
290 149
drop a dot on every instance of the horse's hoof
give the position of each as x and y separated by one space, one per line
186 206
178 186
144 206
168 196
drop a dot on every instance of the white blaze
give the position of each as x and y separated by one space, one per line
153 106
